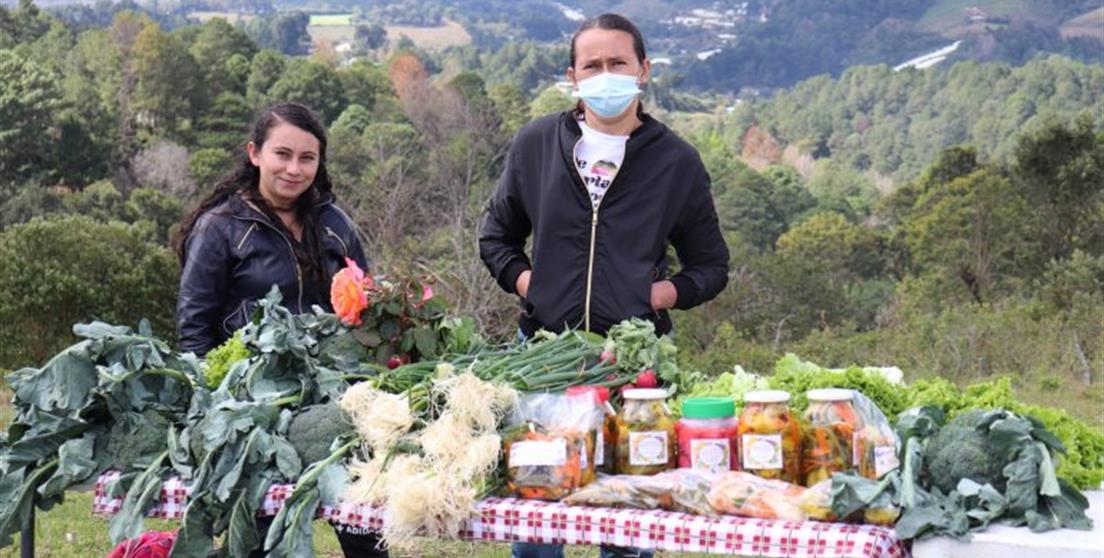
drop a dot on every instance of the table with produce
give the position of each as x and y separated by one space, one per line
395 415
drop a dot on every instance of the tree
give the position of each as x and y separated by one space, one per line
167 90
369 37
71 270
214 46
315 85
29 95
266 68
1060 169
364 82
285 32
549 101
971 232
225 124
844 250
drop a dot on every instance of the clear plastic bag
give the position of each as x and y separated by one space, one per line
681 490
549 444
876 445
748 495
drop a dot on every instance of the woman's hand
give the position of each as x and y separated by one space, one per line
664 295
521 287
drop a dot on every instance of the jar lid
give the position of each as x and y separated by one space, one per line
767 396
709 407
830 394
649 393
601 392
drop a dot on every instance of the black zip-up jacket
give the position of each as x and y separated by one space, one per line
234 255
660 195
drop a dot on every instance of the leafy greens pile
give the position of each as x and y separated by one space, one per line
958 477
125 401
107 402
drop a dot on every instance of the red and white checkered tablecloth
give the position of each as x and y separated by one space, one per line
510 520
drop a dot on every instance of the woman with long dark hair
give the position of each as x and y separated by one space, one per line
603 189
272 221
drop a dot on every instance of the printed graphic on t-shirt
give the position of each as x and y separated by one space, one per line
597 177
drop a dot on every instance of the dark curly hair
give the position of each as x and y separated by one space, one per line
244 180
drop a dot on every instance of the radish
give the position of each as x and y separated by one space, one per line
647 379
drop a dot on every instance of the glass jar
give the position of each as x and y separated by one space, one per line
770 437
600 457
707 434
828 433
645 433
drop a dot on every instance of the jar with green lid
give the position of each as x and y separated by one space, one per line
645 433
707 434
770 437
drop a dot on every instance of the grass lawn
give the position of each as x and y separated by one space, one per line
232 17
948 18
321 20
71 531
1086 25
431 38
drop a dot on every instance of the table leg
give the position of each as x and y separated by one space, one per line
27 536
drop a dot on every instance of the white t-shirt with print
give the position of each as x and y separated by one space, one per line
598 157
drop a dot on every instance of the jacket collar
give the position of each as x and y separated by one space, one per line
242 209
649 131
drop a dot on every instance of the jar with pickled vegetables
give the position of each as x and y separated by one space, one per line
645 433
770 437
707 434
828 433
599 458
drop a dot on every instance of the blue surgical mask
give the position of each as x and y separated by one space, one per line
607 94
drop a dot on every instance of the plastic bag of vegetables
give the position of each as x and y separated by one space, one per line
748 495
548 443
681 490
876 444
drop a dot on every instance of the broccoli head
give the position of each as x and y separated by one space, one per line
133 440
314 429
963 449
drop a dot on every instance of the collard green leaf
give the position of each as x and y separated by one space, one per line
142 495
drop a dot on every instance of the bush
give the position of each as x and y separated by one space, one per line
72 269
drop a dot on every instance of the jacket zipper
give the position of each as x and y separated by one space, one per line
330 232
593 231
291 252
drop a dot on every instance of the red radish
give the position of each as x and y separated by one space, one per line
394 362
607 357
611 377
647 379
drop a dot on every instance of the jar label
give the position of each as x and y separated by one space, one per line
647 448
762 451
583 455
713 455
600 450
885 460
538 454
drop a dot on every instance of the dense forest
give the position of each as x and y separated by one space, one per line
949 221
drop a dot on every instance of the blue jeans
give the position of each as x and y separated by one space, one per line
538 550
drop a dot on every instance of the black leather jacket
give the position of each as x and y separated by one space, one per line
234 255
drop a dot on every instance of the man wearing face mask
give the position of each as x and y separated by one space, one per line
603 189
